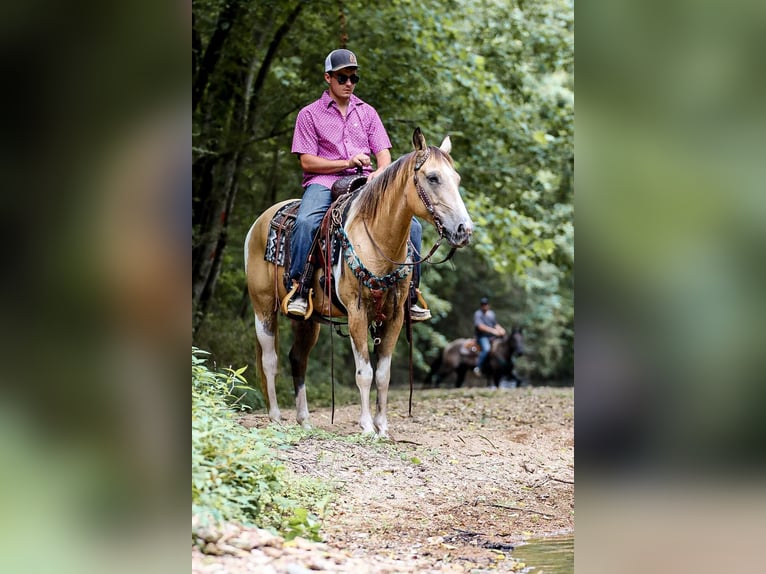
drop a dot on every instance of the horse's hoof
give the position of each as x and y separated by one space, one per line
381 428
365 423
306 425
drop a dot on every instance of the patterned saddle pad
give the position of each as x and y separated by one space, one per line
280 232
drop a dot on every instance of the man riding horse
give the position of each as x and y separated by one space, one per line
486 328
333 137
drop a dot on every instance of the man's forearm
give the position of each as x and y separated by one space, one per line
315 164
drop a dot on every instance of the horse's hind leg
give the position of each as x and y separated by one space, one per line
460 371
306 335
267 362
434 377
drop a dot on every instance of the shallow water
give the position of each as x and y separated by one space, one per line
553 555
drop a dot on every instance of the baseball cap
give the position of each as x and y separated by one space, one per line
484 301
339 59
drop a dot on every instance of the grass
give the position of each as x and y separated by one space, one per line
235 474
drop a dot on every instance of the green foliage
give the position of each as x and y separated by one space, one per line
234 342
234 474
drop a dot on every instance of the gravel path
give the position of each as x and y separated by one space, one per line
473 473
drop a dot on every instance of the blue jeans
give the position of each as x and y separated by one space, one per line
485 342
416 236
314 204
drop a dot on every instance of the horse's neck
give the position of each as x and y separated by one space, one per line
390 228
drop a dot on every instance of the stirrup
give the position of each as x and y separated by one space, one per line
421 301
309 299
417 313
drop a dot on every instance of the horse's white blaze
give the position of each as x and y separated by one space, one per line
382 379
364 382
269 363
457 205
247 244
451 207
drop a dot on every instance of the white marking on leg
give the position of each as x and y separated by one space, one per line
382 379
364 382
302 408
269 362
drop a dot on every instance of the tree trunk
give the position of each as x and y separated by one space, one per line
214 214
207 264
207 64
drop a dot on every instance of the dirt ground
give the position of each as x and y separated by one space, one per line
473 473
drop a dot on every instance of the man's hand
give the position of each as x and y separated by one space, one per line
359 160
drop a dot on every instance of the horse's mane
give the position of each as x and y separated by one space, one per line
367 201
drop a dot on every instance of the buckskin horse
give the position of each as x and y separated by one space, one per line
368 280
463 354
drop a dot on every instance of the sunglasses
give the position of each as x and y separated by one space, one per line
342 78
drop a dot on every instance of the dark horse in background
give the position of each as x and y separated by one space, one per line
463 354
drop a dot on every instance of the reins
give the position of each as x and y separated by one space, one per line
424 260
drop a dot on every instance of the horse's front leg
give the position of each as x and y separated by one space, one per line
382 380
357 328
385 351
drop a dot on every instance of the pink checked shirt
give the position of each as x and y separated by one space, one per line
321 130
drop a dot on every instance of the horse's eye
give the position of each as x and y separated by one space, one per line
433 179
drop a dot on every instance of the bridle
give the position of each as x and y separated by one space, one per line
421 158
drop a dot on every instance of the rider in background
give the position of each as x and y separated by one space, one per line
333 137
486 327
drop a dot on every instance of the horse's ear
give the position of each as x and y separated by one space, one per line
446 146
418 140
